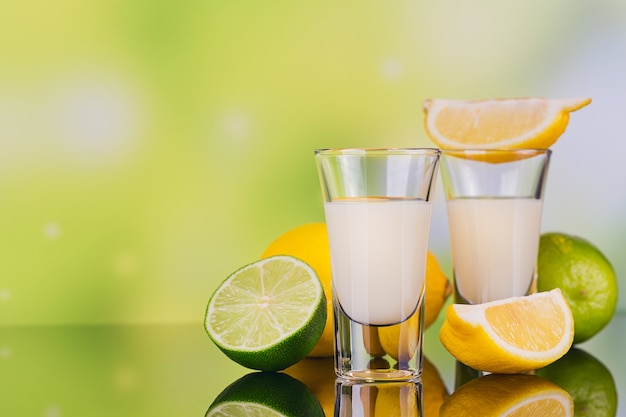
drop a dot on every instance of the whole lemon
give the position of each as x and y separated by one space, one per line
584 275
309 243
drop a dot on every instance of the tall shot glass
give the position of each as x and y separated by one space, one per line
377 204
494 202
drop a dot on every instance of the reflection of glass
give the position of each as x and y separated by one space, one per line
256 392
377 206
355 399
503 395
494 200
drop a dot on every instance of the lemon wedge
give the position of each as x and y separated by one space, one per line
530 122
513 335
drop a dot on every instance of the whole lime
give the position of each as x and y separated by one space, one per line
587 380
584 275
267 394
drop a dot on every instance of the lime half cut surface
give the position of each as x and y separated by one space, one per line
269 314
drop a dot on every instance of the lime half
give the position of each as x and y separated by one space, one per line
265 394
269 314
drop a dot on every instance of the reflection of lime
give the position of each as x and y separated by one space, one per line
514 395
268 315
265 394
585 277
587 380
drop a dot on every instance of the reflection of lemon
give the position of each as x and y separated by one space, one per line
498 123
511 335
309 242
267 394
318 374
434 389
585 276
516 395
397 400
587 380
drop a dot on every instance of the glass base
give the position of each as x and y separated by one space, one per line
379 353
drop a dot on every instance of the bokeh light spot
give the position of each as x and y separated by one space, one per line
124 379
52 411
52 230
97 117
237 125
5 294
125 264
5 352
392 69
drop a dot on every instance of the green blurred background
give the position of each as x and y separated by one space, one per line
150 148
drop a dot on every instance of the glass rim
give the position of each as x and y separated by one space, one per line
381 151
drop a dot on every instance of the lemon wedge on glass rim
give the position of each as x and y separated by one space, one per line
530 122
512 335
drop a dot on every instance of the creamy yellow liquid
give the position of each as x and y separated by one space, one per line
378 257
494 246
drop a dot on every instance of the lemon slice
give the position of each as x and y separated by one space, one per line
268 315
508 396
513 335
498 123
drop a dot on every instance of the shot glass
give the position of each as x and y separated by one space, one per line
377 204
494 202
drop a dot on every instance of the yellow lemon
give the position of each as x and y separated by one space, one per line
498 123
513 335
309 243
438 289
508 396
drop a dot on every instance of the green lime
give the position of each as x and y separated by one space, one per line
585 277
587 380
269 314
265 394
